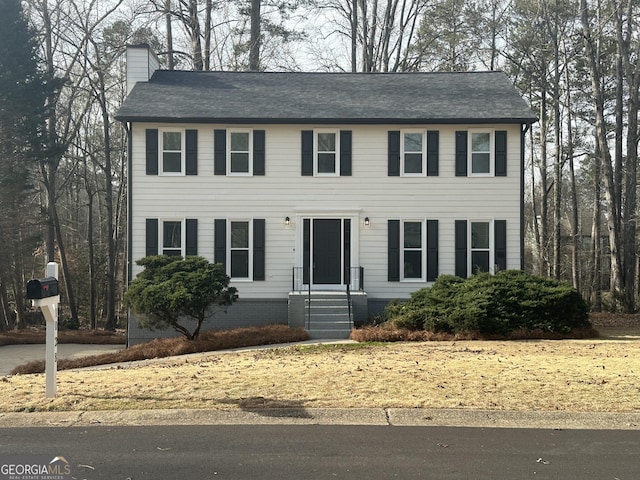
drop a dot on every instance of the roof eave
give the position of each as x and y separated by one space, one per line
326 121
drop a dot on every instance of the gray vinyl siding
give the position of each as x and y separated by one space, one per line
368 192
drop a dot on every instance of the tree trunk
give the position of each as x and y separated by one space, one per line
543 262
254 48
207 34
601 137
596 236
167 17
575 212
5 312
194 33
92 268
627 68
354 36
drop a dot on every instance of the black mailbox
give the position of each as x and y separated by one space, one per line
42 288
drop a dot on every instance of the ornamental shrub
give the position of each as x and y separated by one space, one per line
172 289
492 305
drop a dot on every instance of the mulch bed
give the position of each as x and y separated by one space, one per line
37 335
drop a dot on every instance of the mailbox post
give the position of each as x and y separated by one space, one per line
44 294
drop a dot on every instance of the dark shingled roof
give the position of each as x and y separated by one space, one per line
322 98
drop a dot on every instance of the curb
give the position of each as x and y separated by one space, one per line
398 417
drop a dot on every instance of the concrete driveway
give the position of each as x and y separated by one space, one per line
12 356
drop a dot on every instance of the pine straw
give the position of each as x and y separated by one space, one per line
36 335
169 347
567 375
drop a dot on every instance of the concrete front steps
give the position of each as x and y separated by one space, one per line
328 316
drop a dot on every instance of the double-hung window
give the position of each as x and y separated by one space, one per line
481 252
240 143
172 240
413 245
413 153
480 246
326 152
172 152
239 245
171 236
481 152
240 251
327 144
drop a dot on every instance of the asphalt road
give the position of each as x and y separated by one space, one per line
287 452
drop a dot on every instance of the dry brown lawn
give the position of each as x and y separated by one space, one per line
601 375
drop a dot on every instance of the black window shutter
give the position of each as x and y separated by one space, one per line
220 152
220 241
393 265
461 154
501 153
345 153
258 249
258 152
461 248
151 237
394 154
346 249
432 250
306 251
152 151
307 153
500 244
191 143
192 236
433 152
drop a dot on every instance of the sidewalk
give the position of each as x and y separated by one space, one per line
398 417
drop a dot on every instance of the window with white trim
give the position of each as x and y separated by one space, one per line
412 240
412 153
481 152
172 239
240 257
171 152
481 251
326 155
240 155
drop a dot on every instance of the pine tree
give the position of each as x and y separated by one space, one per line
22 107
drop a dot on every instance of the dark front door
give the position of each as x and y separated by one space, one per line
327 251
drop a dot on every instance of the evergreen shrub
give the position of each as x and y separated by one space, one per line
492 305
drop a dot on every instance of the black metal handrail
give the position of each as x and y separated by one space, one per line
355 280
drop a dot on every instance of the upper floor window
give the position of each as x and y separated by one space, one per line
412 153
172 148
240 152
480 152
326 153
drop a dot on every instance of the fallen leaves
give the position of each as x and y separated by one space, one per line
524 375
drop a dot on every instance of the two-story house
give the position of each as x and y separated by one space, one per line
317 188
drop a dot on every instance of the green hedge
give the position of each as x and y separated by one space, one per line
492 304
